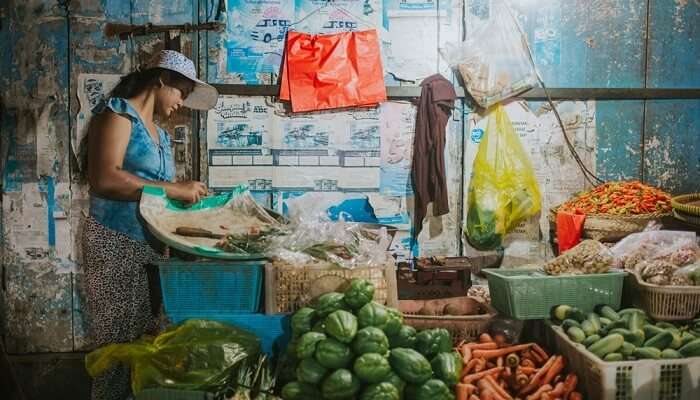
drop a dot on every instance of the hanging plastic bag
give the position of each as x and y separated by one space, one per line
503 190
494 61
337 70
195 355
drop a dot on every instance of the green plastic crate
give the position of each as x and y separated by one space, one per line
173 394
531 293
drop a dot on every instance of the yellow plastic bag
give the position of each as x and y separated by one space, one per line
503 190
195 355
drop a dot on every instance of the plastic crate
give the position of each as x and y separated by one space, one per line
194 289
274 331
173 394
529 293
665 303
628 380
461 327
290 287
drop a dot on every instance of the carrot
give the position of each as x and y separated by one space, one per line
554 370
527 363
512 360
558 391
527 370
485 337
575 396
499 361
507 372
535 381
483 346
487 395
485 387
557 379
543 354
462 391
478 375
470 365
521 379
500 352
543 389
466 354
570 384
474 397
481 365
499 390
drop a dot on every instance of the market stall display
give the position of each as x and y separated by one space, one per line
614 210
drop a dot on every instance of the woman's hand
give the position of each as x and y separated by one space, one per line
187 191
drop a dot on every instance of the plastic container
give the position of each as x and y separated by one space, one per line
173 394
529 293
197 289
288 288
274 331
461 327
628 380
665 303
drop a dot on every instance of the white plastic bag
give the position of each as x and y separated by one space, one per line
494 61
676 247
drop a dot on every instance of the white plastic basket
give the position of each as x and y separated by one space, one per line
628 380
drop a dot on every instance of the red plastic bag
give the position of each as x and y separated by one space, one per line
338 70
569 230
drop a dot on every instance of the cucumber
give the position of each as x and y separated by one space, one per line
590 340
647 353
595 320
625 311
635 337
691 349
620 323
576 334
607 312
613 357
687 337
670 354
666 325
677 340
636 321
660 341
626 318
650 330
568 323
607 345
588 328
605 321
576 314
630 358
560 312
627 349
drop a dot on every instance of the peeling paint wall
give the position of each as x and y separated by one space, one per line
49 43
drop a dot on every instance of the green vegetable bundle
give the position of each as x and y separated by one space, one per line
346 346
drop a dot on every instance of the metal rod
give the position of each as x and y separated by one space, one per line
398 92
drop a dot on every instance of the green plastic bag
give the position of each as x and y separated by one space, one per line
195 355
503 190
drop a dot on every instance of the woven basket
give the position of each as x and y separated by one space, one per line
665 303
611 228
687 204
687 218
461 327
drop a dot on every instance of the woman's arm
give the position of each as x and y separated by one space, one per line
107 143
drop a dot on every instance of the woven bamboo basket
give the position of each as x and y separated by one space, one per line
611 228
665 303
290 287
478 316
687 204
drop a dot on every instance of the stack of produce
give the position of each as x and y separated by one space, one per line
629 334
347 346
497 370
620 198
588 257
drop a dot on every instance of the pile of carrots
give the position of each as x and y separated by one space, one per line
495 370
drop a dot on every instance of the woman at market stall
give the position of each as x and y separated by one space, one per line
126 150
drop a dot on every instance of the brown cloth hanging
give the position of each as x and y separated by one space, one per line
428 170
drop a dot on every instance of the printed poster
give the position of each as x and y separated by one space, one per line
92 89
398 128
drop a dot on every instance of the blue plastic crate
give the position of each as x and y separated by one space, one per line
193 289
274 331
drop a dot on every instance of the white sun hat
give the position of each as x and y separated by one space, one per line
204 95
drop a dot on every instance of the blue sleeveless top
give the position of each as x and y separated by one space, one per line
143 158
